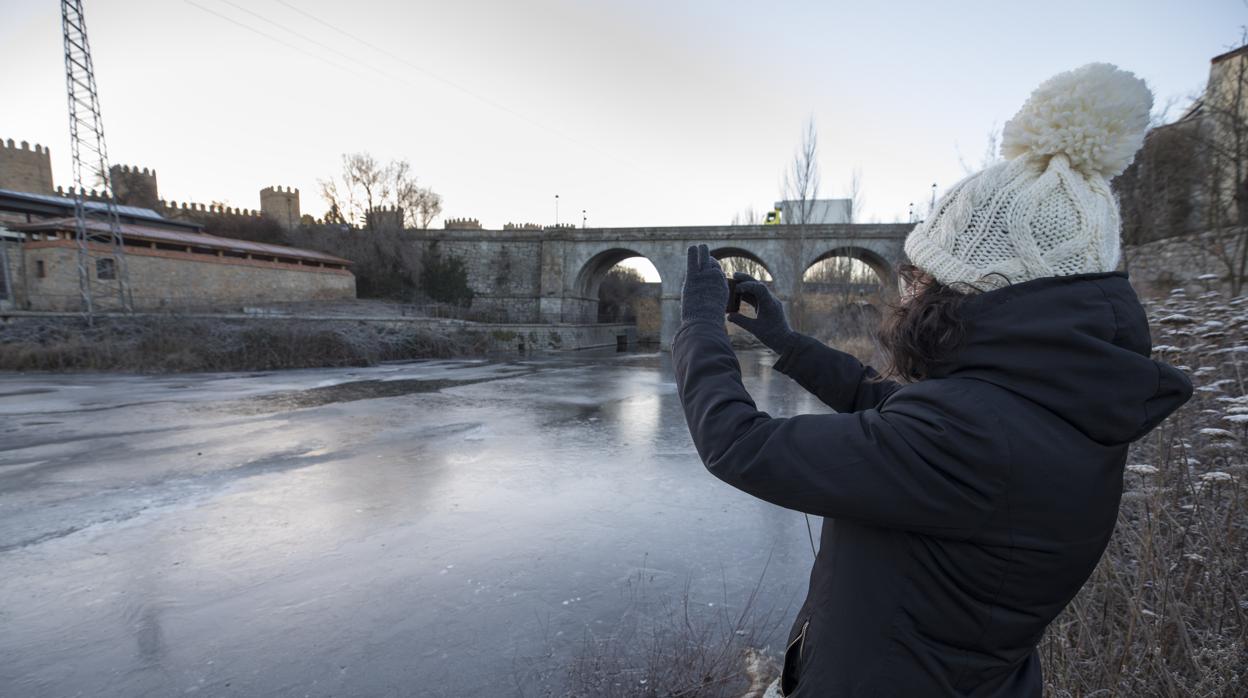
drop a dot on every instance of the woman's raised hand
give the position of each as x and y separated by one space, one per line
770 326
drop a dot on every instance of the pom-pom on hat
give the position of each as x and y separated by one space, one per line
1047 210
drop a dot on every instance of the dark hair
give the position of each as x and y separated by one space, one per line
925 330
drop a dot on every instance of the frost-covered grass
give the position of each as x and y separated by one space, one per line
667 644
1166 611
179 343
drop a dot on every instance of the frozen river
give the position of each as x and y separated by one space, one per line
427 528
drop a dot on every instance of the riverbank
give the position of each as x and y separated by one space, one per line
176 343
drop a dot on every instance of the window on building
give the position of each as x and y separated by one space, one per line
40 271
106 268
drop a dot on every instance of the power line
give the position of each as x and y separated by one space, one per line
309 39
452 84
270 37
393 56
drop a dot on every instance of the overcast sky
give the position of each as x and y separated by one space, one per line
646 112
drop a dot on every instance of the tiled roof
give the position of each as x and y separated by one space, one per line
177 237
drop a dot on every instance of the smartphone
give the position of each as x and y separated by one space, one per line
734 297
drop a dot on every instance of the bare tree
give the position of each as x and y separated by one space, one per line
428 206
840 278
800 187
365 185
1221 144
745 264
420 205
856 198
843 278
801 180
1160 115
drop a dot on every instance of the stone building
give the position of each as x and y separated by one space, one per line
1192 174
173 269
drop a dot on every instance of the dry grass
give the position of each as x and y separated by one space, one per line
671 646
1166 611
172 343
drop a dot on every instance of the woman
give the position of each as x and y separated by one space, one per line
968 498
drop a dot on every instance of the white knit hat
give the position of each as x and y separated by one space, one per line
1047 210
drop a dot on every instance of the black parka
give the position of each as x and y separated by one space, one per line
962 512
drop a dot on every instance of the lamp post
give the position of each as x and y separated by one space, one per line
933 207
556 210
911 211
583 217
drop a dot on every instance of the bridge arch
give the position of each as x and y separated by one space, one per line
591 273
732 251
582 295
884 270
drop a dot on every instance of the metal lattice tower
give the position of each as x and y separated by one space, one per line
102 276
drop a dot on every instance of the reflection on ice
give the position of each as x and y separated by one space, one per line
155 539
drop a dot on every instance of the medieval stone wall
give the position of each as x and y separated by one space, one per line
25 169
166 279
1186 261
504 274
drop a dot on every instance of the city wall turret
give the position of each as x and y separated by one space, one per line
25 169
384 218
134 187
281 204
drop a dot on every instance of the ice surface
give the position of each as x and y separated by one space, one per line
425 528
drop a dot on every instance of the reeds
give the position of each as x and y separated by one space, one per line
1166 611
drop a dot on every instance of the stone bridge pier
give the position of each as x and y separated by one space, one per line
574 262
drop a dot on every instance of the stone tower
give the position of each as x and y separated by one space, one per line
134 187
281 204
23 169
384 218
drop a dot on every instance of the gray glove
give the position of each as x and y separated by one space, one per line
705 293
770 326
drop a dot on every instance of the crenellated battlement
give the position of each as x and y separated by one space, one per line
24 145
133 186
126 169
522 226
281 204
462 224
23 168
189 209
87 195
390 217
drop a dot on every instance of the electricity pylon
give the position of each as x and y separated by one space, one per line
102 276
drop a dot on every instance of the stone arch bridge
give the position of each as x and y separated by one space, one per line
553 275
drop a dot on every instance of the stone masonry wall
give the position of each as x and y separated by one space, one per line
1184 261
161 279
505 278
25 169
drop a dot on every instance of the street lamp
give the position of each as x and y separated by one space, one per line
583 219
933 208
556 210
